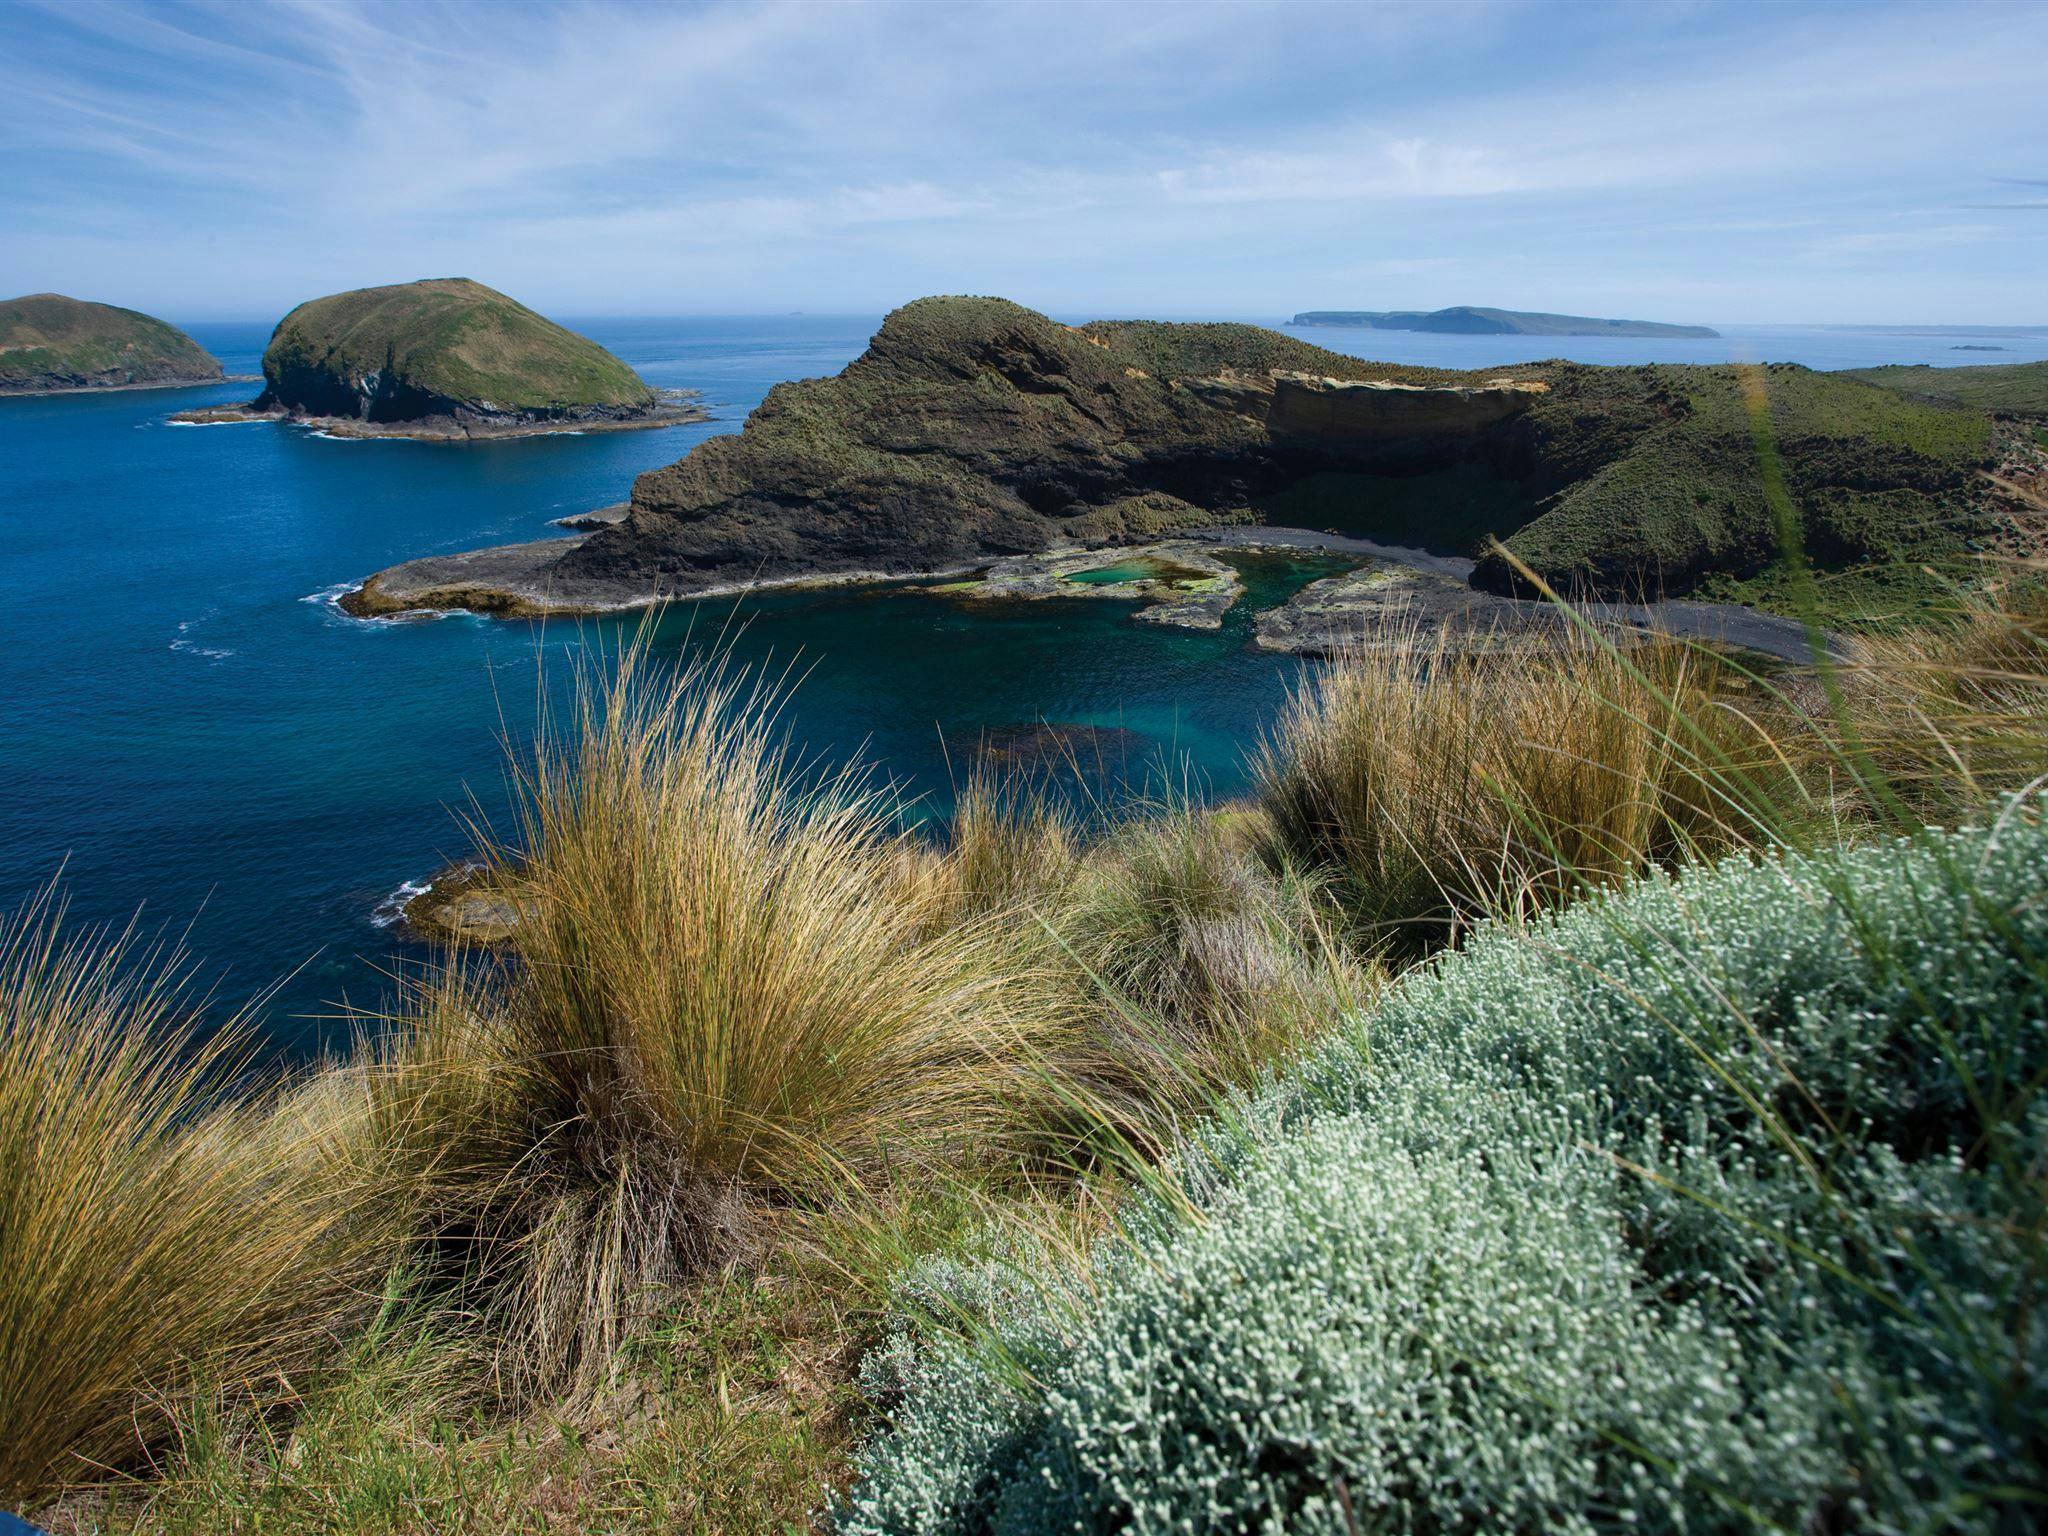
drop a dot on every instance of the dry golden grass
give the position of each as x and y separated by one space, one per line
727 998
1437 787
1195 964
153 1226
1944 718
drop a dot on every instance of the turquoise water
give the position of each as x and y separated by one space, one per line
190 730
1116 575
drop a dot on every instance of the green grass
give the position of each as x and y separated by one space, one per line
46 338
453 339
2019 389
1880 481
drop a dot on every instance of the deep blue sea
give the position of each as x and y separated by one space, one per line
190 731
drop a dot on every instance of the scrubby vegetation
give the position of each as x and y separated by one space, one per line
1711 1206
1441 1139
2018 389
1886 488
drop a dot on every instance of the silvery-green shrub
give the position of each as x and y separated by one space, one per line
1714 1205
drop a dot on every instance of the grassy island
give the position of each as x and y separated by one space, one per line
446 357
50 343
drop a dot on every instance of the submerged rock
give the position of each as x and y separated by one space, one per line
1178 583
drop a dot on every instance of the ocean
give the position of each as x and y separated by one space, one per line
194 738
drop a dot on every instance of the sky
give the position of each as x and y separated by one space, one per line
1661 159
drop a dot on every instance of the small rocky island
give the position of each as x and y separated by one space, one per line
444 358
1471 320
51 344
974 436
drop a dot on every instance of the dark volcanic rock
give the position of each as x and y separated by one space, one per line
974 428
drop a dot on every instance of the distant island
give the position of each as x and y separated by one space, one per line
444 358
51 344
1467 320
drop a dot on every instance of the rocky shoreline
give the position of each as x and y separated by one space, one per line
1178 582
677 411
15 392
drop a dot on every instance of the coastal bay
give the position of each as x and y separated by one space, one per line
193 730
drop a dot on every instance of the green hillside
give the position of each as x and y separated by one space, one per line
1883 486
48 341
435 347
2019 389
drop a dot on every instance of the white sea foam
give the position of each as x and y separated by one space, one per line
190 647
392 907
328 597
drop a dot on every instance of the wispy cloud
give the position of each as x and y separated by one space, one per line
1197 155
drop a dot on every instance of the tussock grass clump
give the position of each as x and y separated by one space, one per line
1013 846
726 998
1949 716
1435 787
1196 963
155 1227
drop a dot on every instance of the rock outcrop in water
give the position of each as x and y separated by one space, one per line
974 429
50 343
445 357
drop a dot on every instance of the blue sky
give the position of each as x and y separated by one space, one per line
1681 161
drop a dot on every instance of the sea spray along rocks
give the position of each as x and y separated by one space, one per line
50 343
445 357
973 429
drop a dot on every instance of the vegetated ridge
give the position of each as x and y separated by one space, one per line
1472 320
449 352
2016 389
974 429
49 342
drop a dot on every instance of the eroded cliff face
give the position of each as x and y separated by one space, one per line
973 429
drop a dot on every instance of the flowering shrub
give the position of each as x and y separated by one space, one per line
1710 1205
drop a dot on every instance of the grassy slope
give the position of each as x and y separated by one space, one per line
48 334
2020 389
1882 483
454 338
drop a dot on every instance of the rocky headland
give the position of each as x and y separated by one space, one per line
974 431
446 359
51 344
